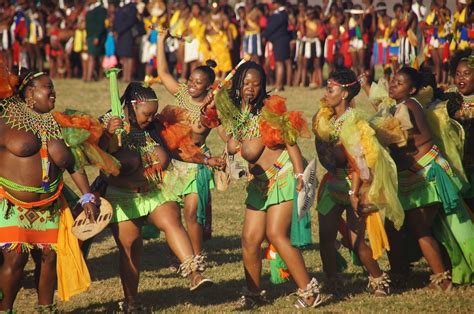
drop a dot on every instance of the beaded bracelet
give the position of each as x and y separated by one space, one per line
87 198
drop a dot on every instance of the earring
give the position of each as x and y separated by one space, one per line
237 93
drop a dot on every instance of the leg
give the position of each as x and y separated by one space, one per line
278 224
90 68
195 230
419 222
253 235
357 233
166 217
436 61
318 73
289 72
297 77
396 256
304 71
47 278
328 226
130 244
11 273
280 69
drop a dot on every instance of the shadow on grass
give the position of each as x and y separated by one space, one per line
158 300
156 252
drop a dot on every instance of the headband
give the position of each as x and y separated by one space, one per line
333 82
28 78
469 60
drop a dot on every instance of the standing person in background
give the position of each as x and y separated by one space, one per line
96 32
368 34
407 29
301 73
124 23
79 54
7 11
277 33
381 27
419 9
252 41
219 38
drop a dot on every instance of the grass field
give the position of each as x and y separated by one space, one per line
165 291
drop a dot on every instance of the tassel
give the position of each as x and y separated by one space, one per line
278 269
377 236
447 191
44 163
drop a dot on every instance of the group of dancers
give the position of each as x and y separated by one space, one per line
400 172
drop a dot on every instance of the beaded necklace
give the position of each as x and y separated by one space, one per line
43 125
184 100
141 141
337 123
245 126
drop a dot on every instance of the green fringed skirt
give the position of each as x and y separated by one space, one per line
334 190
128 204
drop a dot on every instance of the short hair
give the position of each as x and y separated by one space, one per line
208 70
413 75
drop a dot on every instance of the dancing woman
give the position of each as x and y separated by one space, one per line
142 191
277 169
460 107
360 180
33 157
191 97
419 158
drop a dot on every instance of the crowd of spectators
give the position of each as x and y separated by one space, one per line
292 39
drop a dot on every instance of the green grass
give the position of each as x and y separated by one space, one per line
165 291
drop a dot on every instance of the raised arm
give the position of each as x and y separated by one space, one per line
163 72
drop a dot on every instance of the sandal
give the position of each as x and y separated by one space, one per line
131 307
46 309
311 291
441 282
379 286
192 267
251 300
199 281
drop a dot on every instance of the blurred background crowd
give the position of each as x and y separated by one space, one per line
294 40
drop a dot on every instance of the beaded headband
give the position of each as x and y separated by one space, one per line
469 60
334 83
29 77
133 101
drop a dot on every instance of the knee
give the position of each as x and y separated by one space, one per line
276 236
126 247
15 262
190 215
250 243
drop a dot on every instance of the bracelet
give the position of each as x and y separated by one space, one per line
297 175
206 160
87 198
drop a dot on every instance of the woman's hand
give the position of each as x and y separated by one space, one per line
92 212
114 124
216 162
163 34
355 203
299 184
